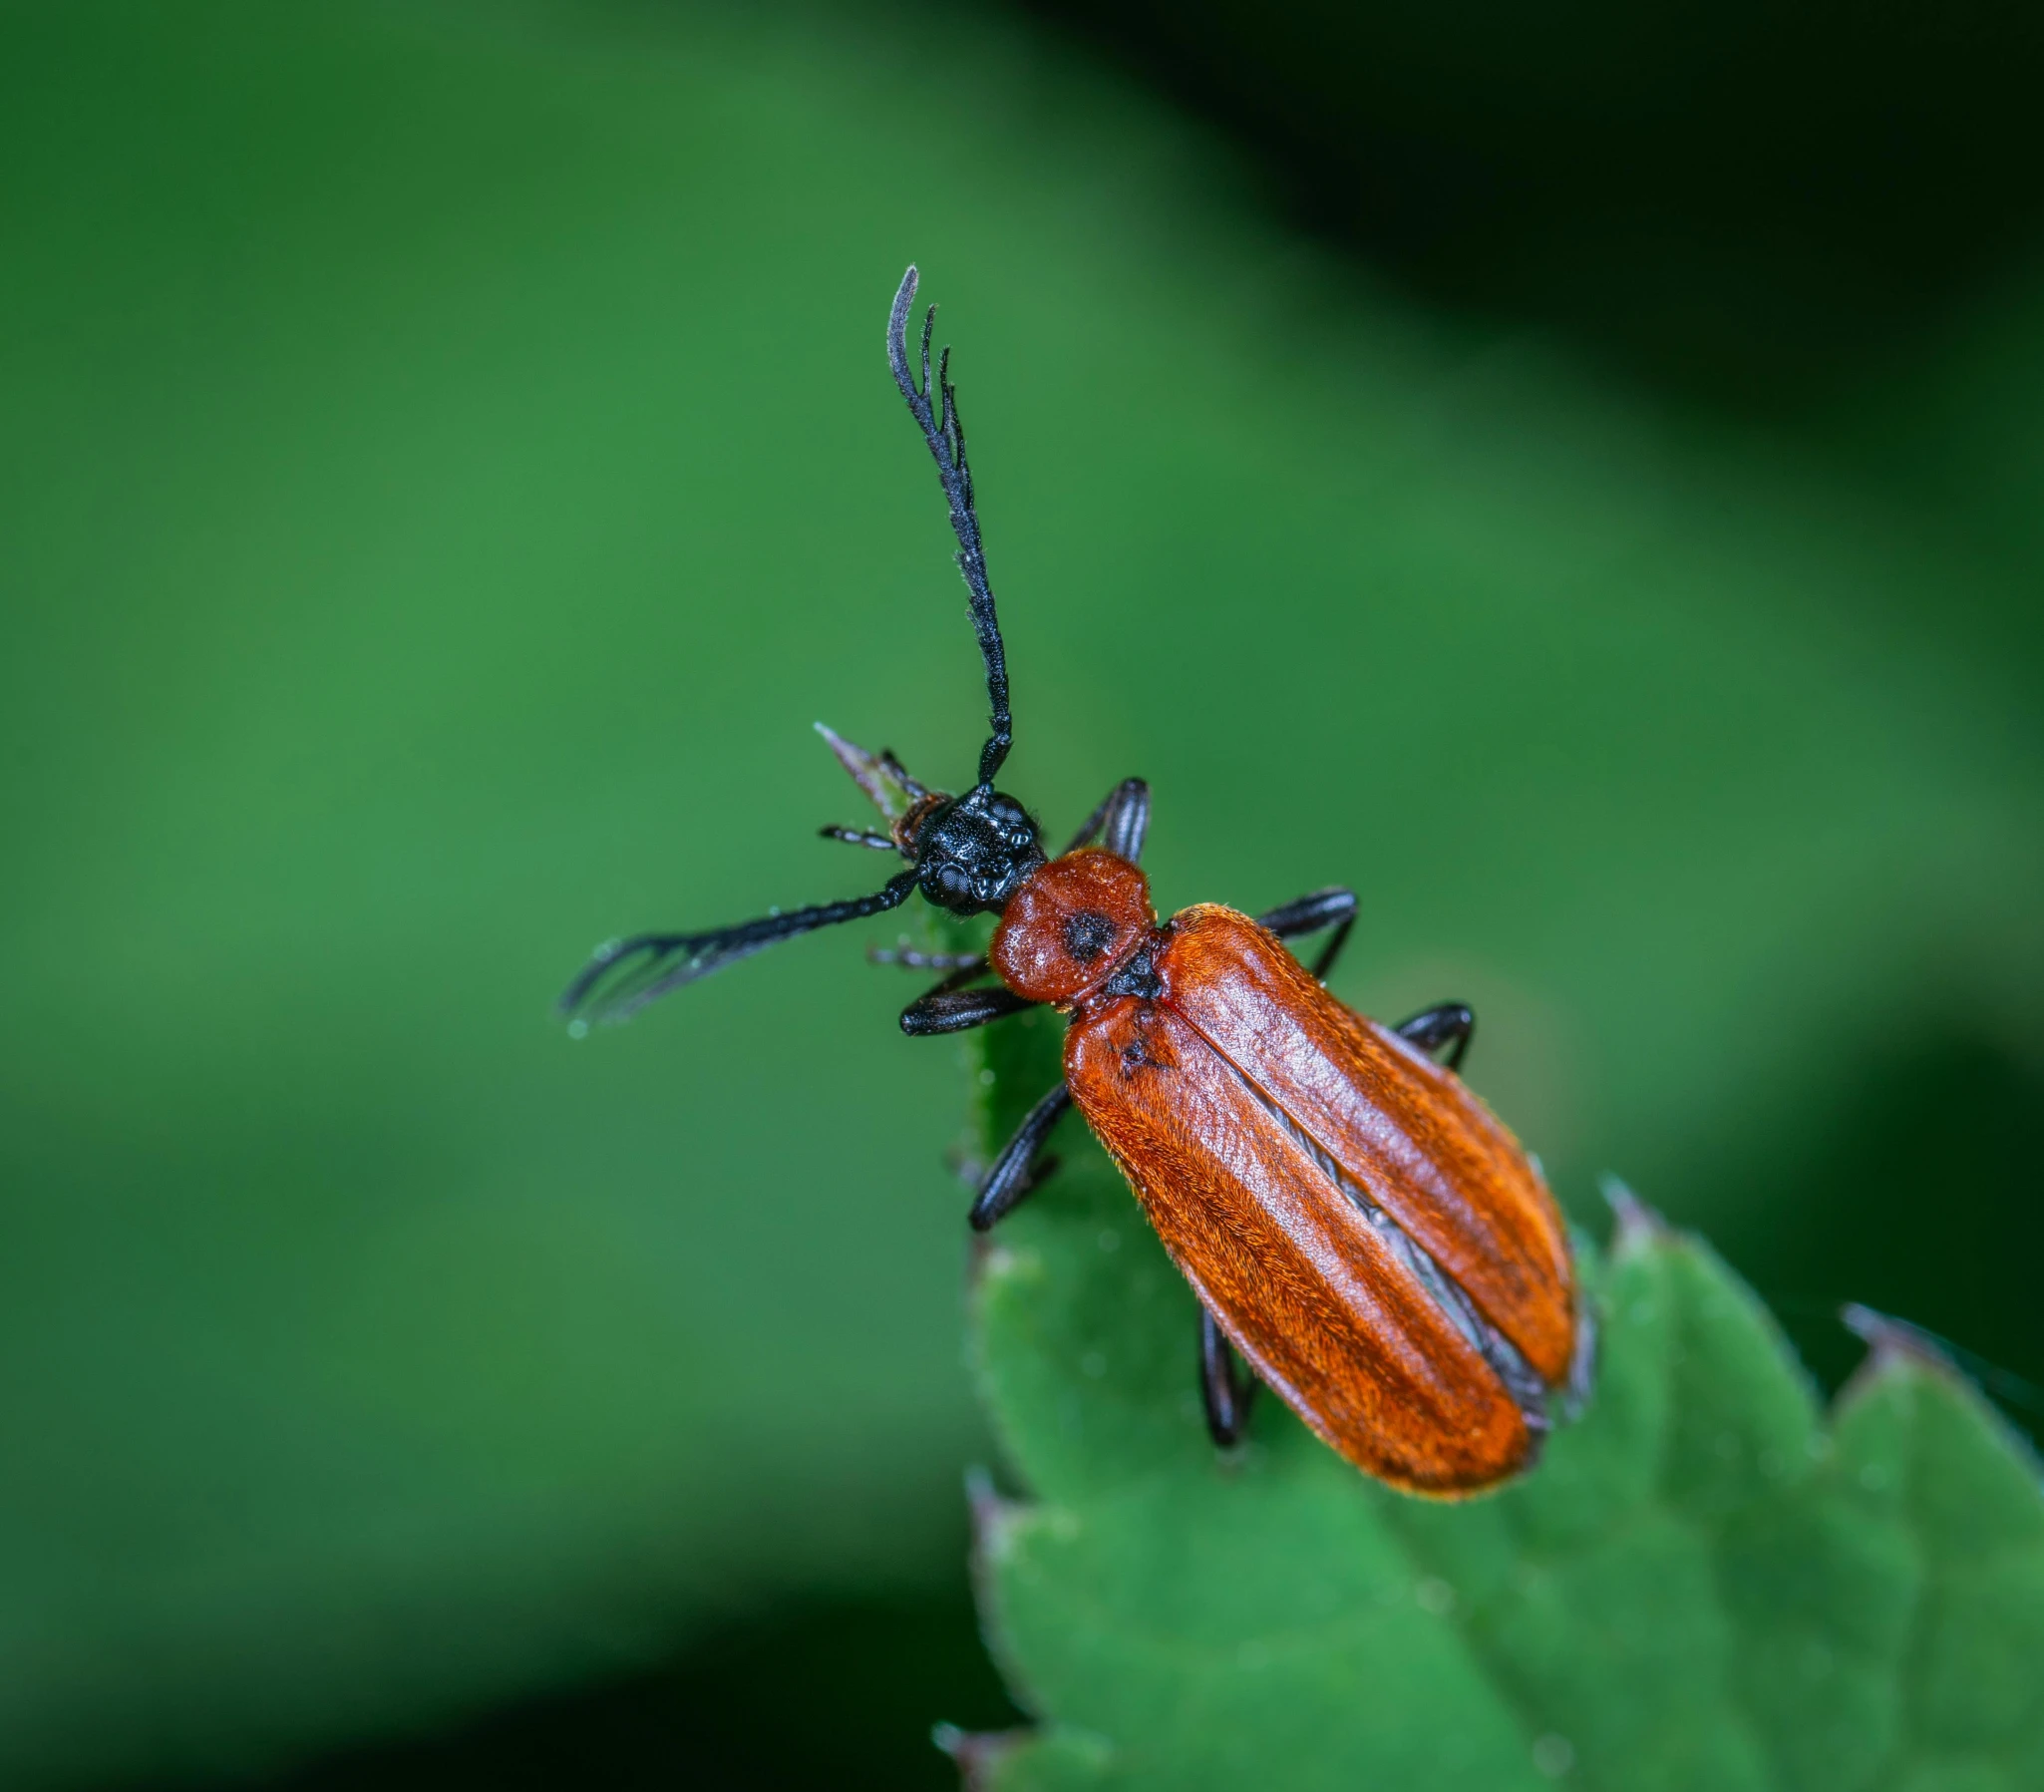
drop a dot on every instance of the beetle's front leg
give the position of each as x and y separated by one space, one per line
1227 1386
1119 823
970 963
949 1010
1333 907
1453 1024
1015 1174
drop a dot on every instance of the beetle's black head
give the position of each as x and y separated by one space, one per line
969 853
972 853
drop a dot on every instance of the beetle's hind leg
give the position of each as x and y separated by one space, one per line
1016 1175
1227 1386
1453 1024
1333 907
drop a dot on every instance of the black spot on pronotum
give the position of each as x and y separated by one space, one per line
1088 933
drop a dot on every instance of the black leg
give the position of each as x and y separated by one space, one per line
1089 830
949 1010
1011 1181
1331 950
862 837
1453 1024
1335 907
1227 1386
1119 823
910 960
964 969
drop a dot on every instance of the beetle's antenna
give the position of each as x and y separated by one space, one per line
945 434
623 977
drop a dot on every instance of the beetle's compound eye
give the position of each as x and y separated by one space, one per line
954 881
1007 818
1070 925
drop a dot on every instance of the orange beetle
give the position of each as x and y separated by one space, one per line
1354 1221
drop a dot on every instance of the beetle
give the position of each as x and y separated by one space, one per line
1357 1226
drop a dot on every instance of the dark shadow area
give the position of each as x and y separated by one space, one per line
1746 203
1922 1197
838 1695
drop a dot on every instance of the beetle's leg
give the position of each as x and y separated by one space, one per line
1010 1181
910 960
1119 823
1335 907
968 969
1227 1386
951 1011
1453 1024
862 837
1088 834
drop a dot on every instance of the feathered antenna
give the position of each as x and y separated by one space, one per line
624 975
945 435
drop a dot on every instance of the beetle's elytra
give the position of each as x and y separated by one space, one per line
1355 1223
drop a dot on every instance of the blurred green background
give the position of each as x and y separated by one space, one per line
1575 478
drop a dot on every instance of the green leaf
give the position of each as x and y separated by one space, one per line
1705 1586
